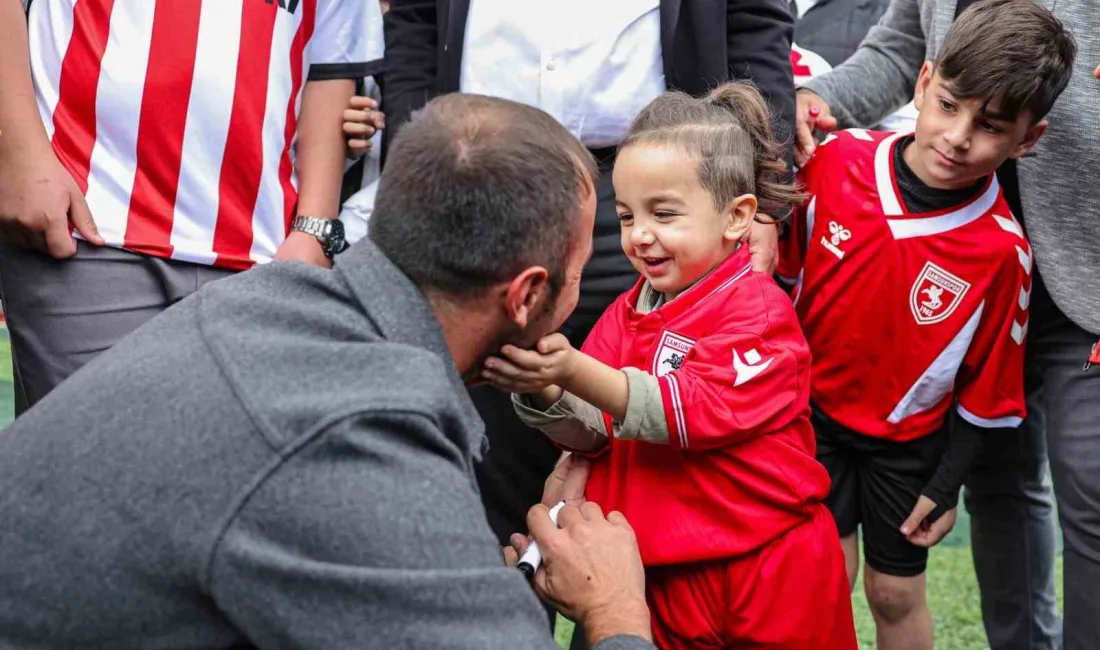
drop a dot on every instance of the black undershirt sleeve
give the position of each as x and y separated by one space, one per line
964 444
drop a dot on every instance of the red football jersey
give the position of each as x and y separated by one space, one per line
906 313
734 371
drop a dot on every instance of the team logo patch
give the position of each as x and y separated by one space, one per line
671 352
936 294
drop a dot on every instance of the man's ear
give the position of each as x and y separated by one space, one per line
524 293
1031 136
739 215
924 79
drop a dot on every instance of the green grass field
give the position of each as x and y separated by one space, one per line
952 589
7 395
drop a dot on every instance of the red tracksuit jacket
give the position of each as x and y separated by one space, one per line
734 371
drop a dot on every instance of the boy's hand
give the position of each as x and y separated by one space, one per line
362 120
922 532
552 362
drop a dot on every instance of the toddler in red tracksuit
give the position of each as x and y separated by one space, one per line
692 392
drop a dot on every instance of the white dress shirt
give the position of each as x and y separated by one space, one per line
592 64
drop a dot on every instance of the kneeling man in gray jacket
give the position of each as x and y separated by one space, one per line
285 459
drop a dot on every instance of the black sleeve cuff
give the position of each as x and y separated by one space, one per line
965 443
329 71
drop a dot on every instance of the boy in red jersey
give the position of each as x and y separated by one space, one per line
693 392
913 287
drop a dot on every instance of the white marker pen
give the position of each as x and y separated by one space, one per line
532 557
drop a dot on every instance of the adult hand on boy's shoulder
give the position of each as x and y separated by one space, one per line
763 241
920 530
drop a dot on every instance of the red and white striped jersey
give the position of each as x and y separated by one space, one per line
906 313
178 118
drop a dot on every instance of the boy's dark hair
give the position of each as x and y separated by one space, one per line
1012 53
475 190
729 135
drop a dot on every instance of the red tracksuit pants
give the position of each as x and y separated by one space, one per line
791 594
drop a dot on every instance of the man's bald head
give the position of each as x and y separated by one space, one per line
475 190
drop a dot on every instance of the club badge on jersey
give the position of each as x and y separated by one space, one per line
671 352
935 294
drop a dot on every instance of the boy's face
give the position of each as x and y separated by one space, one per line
957 142
669 226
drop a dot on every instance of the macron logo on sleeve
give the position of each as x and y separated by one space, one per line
749 367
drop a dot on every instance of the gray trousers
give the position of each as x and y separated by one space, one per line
1012 529
62 313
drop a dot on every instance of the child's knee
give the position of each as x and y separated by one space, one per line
893 598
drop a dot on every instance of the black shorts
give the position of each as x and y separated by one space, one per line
876 483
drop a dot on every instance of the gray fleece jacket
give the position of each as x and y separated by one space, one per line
283 460
1058 186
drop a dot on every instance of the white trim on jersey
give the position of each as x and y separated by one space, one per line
939 378
811 217
884 179
677 408
926 226
989 423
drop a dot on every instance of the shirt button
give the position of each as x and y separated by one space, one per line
550 66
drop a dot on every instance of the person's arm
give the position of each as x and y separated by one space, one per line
758 34
990 383
411 28
732 386
568 420
375 532
965 442
320 158
345 46
38 197
880 77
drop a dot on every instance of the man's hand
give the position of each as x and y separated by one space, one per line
813 114
39 200
591 570
764 246
1096 72
362 120
922 532
305 248
552 362
567 481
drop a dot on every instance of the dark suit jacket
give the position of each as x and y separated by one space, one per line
703 43
834 29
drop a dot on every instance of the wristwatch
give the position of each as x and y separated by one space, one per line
330 232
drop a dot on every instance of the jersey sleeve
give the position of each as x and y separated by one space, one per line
991 386
734 386
347 41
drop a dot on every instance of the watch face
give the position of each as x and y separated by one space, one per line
335 243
